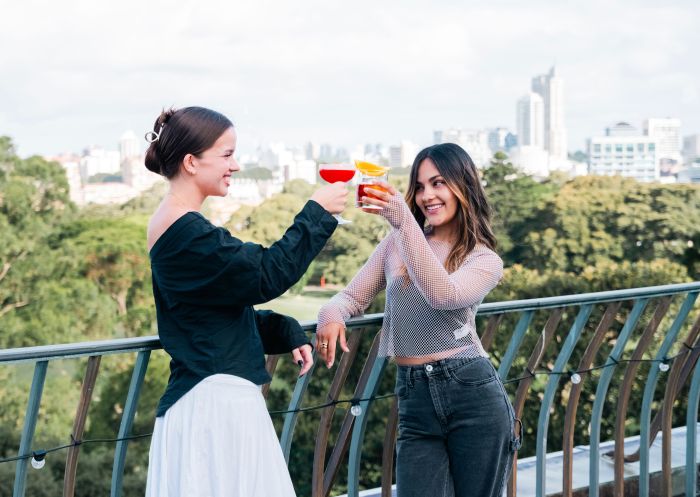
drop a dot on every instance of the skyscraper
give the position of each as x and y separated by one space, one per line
667 133
530 121
128 146
551 88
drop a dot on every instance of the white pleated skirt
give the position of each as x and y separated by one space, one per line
217 441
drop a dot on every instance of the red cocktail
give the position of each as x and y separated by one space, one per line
334 173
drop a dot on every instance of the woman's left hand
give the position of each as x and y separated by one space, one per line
304 355
380 197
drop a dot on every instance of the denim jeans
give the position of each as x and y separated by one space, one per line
456 430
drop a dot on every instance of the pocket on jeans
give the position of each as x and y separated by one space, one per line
476 372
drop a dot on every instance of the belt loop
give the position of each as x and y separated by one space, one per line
409 376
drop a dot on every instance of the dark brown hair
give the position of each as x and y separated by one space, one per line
474 211
190 130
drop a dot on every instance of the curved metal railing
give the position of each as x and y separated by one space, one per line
555 337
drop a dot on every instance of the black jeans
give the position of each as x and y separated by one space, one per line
456 430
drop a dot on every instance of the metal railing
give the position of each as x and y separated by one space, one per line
556 337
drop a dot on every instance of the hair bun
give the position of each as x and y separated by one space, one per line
152 161
177 133
164 117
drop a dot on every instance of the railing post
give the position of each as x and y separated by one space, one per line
30 417
514 344
645 415
132 398
93 367
550 390
602 390
575 395
691 423
358 429
290 419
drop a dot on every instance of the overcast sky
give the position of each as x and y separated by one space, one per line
75 73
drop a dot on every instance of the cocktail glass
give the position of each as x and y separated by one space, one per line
371 174
332 173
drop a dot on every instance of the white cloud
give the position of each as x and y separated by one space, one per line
82 72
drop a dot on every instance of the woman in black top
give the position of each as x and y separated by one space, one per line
213 435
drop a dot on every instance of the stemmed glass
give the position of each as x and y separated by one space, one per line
333 173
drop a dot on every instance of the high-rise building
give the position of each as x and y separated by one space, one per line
551 88
96 160
128 146
402 155
691 148
501 140
311 151
625 152
530 120
667 133
475 142
304 169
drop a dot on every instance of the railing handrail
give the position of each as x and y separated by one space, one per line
137 344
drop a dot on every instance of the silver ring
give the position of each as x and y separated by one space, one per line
324 345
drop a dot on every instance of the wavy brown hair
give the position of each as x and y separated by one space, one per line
473 212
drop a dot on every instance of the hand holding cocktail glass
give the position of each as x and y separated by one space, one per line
331 197
377 196
373 186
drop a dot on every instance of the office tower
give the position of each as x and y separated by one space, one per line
500 139
551 88
402 155
530 120
311 151
128 146
667 133
475 142
96 160
691 148
626 152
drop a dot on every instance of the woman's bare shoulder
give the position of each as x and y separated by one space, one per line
159 223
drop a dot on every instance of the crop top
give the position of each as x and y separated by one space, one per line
435 310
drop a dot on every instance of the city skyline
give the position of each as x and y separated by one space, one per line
369 74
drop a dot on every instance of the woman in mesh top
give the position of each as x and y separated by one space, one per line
213 435
456 423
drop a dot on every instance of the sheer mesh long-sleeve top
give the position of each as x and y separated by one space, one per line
430 312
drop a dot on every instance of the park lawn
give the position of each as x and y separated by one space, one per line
303 307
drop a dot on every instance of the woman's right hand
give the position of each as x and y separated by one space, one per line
332 197
326 339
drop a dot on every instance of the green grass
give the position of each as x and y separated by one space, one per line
303 307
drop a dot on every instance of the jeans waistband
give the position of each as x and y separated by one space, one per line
436 367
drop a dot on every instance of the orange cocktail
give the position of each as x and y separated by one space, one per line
370 175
